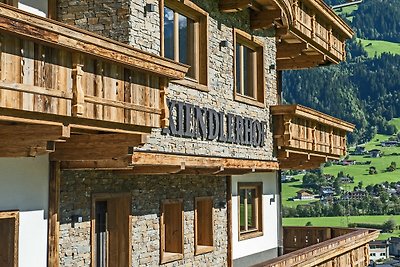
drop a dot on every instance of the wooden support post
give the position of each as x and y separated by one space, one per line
54 223
52 9
78 100
229 215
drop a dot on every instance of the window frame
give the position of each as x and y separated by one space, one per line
105 197
172 256
203 249
13 215
258 186
251 42
200 17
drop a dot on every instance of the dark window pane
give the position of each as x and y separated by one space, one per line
168 33
183 39
101 233
251 195
247 71
242 193
238 71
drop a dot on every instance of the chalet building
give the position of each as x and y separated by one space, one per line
304 194
140 133
379 250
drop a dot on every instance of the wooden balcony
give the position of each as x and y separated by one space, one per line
322 246
305 138
309 32
75 82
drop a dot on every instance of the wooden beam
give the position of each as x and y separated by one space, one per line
157 159
97 147
30 140
301 62
33 132
264 19
108 164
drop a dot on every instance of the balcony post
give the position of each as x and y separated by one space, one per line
78 100
331 140
295 8
313 26
314 137
287 135
163 104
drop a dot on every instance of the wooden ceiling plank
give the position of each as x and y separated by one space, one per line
264 19
230 6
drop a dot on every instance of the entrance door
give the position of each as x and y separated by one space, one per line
9 239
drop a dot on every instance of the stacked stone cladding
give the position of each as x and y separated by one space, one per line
77 189
128 22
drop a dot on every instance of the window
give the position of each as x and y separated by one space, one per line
43 8
249 69
185 39
111 230
9 222
171 221
204 226
250 210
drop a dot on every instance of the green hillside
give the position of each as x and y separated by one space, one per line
377 47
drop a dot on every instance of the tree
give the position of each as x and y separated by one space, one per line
389 226
392 167
309 223
372 170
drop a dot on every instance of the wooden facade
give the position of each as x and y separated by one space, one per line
324 247
309 33
305 138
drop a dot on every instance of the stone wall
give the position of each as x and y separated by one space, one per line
142 30
147 193
110 18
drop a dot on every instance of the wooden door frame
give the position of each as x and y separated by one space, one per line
13 215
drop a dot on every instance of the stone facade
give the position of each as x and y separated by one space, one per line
147 193
128 22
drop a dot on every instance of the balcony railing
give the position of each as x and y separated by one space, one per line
322 246
76 77
305 138
309 31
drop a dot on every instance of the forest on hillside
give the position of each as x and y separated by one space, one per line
362 90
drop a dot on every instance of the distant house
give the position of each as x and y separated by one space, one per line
360 150
287 178
326 191
357 194
345 180
375 153
379 250
304 194
394 246
347 162
390 143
